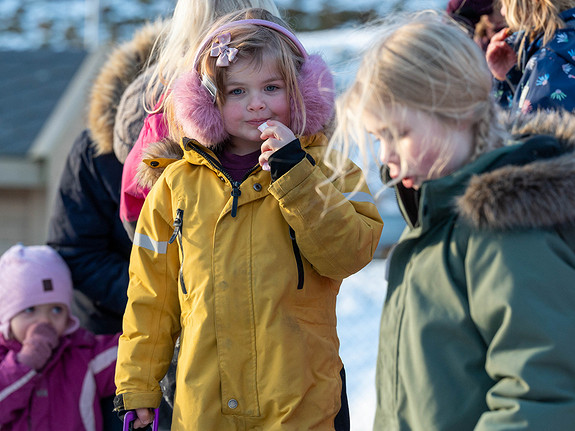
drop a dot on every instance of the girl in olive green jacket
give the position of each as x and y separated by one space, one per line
478 325
242 245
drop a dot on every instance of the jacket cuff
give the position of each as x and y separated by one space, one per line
119 407
286 158
125 402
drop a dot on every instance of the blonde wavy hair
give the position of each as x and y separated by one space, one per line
180 38
535 18
257 44
426 63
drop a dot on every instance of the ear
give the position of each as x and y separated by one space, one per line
317 87
195 111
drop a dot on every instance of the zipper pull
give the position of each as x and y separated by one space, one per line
236 192
177 225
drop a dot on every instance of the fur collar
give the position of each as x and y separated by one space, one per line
160 154
123 65
539 194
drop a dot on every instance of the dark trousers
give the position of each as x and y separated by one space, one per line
341 422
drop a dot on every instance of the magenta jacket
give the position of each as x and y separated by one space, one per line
65 395
132 195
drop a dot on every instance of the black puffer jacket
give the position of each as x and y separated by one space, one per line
87 232
85 227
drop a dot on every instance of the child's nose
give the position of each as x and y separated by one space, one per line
256 103
45 317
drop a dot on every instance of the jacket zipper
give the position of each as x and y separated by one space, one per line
236 192
298 259
178 221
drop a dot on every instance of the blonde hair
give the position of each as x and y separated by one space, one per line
257 44
426 63
181 37
535 18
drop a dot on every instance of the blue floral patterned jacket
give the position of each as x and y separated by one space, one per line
545 79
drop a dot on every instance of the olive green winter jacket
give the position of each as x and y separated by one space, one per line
247 276
478 328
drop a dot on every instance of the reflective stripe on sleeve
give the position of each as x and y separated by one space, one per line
148 243
9 390
90 387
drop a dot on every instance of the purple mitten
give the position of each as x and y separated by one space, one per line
41 339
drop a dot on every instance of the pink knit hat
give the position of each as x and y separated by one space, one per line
31 276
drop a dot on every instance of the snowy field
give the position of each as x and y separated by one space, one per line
358 312
32 24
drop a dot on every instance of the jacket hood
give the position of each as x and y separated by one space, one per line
155 158
539 193
122 67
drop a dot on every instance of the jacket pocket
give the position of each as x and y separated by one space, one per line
298 260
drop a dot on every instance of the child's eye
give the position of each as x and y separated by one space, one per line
29 310
57 309
389 136
271 88
385 135
236 91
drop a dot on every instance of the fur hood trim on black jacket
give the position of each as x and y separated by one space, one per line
123 65
538 194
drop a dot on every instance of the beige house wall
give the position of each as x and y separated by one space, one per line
21 216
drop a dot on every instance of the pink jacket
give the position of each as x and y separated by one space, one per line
132 195
65 395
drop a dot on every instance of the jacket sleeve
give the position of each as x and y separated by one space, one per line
151 322
85 228
522 299
504 91
547 83
16 386
132 194
336 223
105 352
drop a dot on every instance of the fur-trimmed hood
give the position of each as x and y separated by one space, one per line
123 65
155 158
537 194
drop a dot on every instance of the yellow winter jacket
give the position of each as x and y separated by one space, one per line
252 296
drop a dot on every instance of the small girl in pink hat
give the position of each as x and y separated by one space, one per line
52 373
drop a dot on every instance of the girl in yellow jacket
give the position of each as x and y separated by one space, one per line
241 246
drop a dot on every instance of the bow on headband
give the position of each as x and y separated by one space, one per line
221 50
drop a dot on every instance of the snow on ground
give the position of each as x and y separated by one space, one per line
382 7
31 24
359 307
